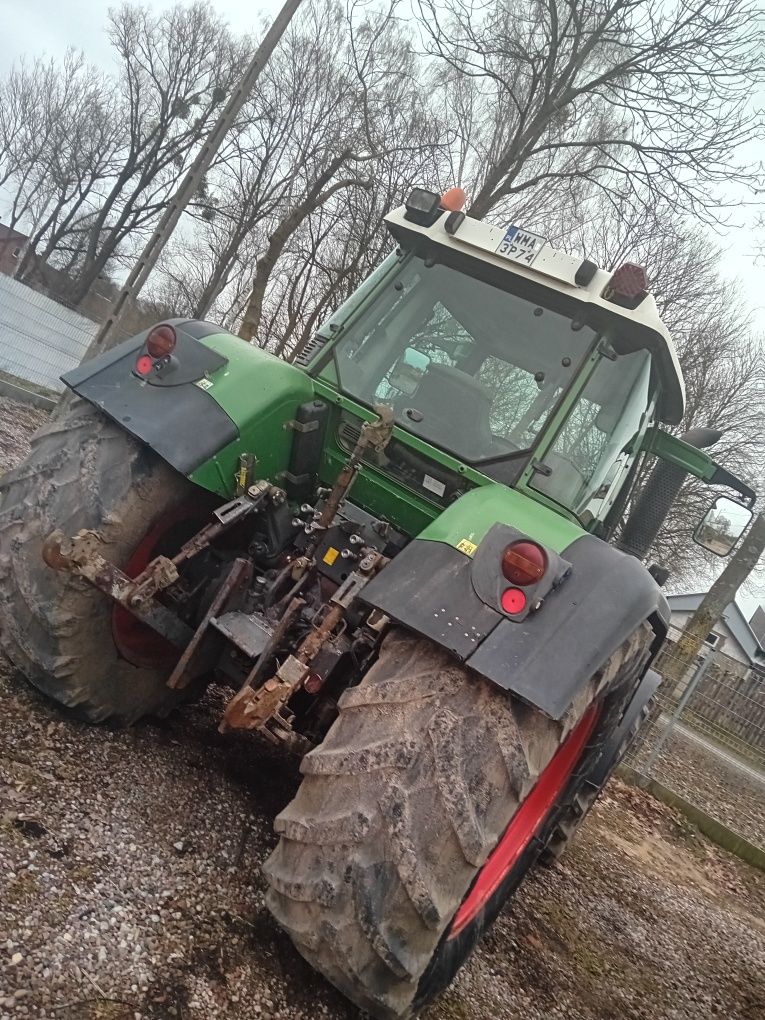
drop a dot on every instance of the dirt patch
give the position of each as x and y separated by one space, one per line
131 886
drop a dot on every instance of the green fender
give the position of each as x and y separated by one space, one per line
260 393
465 523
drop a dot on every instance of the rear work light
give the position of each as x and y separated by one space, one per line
161 341
423 207
523 563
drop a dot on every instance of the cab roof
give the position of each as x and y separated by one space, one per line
626 328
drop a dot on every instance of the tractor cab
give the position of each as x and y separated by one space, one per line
533 367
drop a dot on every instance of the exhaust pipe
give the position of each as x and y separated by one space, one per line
659 493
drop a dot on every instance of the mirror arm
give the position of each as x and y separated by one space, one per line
685 455
696 462
723 477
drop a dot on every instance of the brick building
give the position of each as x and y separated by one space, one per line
11 243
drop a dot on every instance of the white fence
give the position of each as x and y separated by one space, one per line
39 339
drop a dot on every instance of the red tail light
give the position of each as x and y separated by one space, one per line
629 281
144 365
513 600
161 341
523 563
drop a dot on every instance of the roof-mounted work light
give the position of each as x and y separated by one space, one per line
423 207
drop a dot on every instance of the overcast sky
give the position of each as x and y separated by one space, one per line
51 26
34 26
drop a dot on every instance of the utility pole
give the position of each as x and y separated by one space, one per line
720 596
188 188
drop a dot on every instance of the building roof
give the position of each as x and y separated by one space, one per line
738 624
8 234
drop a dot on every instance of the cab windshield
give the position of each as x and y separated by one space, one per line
467 366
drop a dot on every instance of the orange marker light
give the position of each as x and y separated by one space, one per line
454 199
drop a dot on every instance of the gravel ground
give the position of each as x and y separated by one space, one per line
130 887
17 423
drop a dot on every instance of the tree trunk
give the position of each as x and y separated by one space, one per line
279 238
264 268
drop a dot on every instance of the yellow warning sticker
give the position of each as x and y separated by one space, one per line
331 555
467 547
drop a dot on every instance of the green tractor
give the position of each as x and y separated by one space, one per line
397 551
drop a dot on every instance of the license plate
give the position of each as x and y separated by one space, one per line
520 245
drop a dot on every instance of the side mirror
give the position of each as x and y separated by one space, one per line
409 369
722 526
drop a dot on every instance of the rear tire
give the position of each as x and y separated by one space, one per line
399 809
584 798
83 472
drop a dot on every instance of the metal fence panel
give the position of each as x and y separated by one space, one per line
705 738
39 338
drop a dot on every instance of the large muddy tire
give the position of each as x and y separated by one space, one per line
584 796
83 472
399 808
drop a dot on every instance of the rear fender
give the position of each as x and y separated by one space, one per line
219 398
547 658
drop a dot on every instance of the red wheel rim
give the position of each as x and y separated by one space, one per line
526 822
136 641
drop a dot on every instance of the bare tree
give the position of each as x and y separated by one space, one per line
364 110
176 70
58 139
644 99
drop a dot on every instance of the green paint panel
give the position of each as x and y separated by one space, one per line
331 395
673 450
260 393
474 513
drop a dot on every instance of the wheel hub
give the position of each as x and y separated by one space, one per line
138 643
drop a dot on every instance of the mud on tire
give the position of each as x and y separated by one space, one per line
398 809
83 472
583 800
